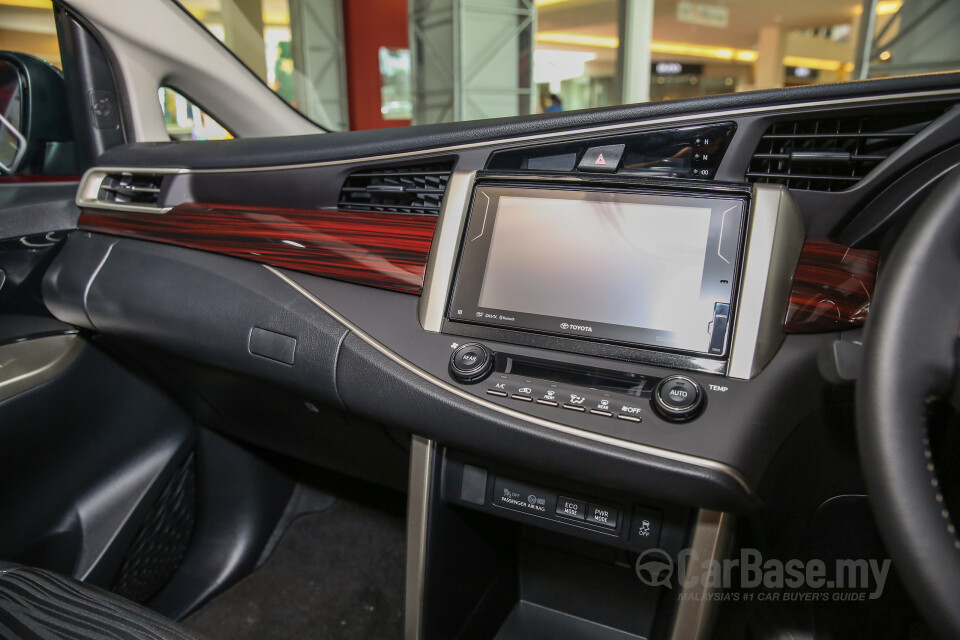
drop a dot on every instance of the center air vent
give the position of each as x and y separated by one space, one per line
832 153
141 189
412 189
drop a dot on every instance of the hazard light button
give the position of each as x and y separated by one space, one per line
604 159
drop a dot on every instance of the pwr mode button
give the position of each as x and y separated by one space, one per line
527 498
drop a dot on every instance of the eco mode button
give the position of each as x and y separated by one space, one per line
518 496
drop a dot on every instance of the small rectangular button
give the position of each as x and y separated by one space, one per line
549 403
272 345
527 498
497 392
603 159
573 407
623 416
570 508
598 412
603 516
721 317
517 396
645 526
473 485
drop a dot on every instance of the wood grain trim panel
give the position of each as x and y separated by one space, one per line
832 288
384 250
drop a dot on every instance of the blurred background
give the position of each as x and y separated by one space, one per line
362 64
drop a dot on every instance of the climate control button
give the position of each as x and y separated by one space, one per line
678 398
471 362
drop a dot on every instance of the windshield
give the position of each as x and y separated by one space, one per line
364 64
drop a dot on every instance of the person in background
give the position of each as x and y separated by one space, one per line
283 74
555 104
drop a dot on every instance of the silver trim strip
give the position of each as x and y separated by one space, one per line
418 506
684 458
21 147
775 239
89 190
638 124
438 276
693 619
25 365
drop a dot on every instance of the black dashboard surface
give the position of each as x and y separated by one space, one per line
364 350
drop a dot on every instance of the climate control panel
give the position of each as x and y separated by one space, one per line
572 390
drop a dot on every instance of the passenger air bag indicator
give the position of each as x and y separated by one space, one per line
519 496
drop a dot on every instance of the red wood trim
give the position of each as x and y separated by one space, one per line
385 250
832 288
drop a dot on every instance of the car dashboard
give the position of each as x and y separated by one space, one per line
607 325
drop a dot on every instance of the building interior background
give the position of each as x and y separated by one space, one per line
363 64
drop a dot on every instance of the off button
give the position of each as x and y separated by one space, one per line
678 398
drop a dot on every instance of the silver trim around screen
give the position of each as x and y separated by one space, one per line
418 511
438 277
666 454
774 240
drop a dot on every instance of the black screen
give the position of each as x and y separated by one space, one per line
628 267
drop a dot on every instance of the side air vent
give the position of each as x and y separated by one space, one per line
131 188
412 189
832 153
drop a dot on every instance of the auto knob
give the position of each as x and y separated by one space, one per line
678 399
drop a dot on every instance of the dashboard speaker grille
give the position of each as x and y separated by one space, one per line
832 153
141 189
410 189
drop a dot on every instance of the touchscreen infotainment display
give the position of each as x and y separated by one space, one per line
630 267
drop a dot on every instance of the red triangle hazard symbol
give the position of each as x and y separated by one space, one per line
600 160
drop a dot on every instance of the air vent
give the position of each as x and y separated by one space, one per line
140 189
832 154
413 189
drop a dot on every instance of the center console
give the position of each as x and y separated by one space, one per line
622 308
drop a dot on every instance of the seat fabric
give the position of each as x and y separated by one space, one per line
40 605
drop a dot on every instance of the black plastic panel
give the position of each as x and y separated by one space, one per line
199 305
682 152
253 152
85 456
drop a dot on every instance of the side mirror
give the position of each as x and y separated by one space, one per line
36 136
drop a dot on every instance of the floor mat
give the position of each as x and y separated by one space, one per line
335 575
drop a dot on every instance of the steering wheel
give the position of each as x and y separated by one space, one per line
910 359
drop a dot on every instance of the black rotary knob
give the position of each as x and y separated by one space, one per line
471 362
678 399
